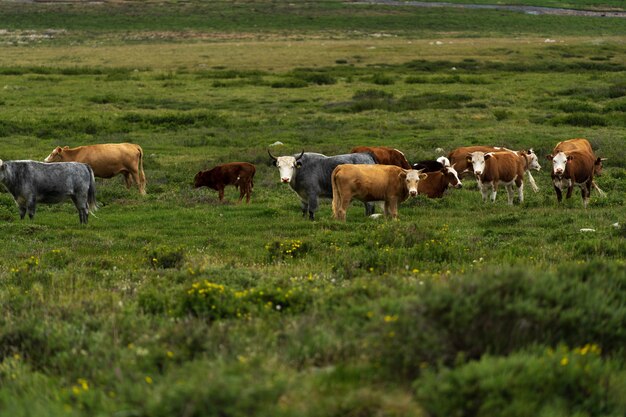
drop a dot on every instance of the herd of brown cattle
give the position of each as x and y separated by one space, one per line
392 179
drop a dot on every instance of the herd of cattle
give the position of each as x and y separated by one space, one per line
367 174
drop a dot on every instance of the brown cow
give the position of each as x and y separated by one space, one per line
582 145
388 183
494 168
458 157
438 182
384 155
107 160
573 167
239 174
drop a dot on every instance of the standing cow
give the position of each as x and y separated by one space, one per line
458 157
309 175
366 183
438 182
494 168
573 167
582 145
32 182
239 174
107 160
384 155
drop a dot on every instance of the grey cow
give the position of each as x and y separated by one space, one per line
32 182
309 175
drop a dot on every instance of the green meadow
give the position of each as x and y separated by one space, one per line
174 304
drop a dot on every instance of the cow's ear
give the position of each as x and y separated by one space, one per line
402 175
65 148
488 155
298 164
422 176
570 157
468 158
275 162
549 157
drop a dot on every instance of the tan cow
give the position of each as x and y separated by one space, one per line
384 155
494 168
458 157
387 183
107 160
582 145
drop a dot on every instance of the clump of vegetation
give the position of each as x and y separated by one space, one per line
279 251
165 257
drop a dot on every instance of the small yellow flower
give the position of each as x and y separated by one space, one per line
170 354
148 380
83 384
564 361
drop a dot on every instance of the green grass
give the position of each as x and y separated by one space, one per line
175 304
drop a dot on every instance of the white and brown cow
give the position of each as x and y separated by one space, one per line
458 157
107 160
570 168
582 145
495 168
438 182
388 183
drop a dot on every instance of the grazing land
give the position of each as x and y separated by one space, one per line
176 304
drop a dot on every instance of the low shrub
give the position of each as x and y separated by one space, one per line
165 257
580 119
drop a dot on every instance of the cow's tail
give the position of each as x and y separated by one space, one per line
142 176
532 182
336 192
594 185
91 193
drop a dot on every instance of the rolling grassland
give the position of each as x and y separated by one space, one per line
172 304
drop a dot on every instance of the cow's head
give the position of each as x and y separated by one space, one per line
598 165
477 161
200 179
443 161
452 176
286 165
559 161
411 178
532 162
56 155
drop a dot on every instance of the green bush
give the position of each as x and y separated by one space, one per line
551 383
165 257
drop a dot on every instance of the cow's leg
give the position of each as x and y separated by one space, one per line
127 179
22 207
585 190
520 191
312 206
31 207
557 189
370 208
509 193
494 191
483 190
80 202
304 206
570 188
248 192
393 208
220 193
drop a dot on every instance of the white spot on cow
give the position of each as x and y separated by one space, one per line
443 161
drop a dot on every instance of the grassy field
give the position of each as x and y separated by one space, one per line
174 304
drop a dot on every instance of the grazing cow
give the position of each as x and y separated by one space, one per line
107 160
582 145
438 182
309 175
366 183
494 168
384 155
32 182
573 167
458 157
239 174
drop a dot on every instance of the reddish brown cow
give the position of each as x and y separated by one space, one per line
582 145
239 174
107 160
387 183
384 155
491 169
438 182
573 167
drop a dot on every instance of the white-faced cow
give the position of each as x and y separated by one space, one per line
309 175
31 182
384 155
107 160
458 158
239 174
573 167
438 182
366 183
494 168
582 145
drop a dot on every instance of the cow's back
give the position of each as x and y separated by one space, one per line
107 159
367 182
569 145
504 166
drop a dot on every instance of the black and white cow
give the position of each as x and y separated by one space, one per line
32 182
309 175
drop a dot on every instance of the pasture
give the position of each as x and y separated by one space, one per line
176 304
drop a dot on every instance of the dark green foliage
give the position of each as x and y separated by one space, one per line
581 119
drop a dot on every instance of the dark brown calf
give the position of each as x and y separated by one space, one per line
384 155
239 174
438 182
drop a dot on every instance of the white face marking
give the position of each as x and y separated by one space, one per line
413 177
286 167
558 163
456 183
533 161
478 162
